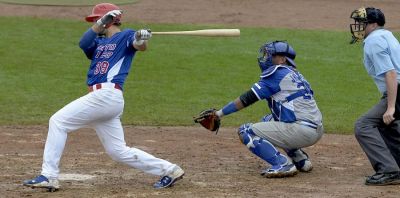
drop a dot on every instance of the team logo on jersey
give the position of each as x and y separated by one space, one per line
105 51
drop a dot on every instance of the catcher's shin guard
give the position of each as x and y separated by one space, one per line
259 146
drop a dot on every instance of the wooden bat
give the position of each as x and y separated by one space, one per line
205 32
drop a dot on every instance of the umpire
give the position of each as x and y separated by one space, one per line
378 130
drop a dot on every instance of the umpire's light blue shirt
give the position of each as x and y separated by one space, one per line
381 54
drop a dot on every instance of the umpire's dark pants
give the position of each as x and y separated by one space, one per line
380 142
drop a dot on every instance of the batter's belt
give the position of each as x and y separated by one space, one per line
104 85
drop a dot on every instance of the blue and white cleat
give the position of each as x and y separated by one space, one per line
43 182
278 171
169 180
300 160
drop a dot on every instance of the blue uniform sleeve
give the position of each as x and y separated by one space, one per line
267 87
131 37
87 43
380 56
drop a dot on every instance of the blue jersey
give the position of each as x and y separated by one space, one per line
111 57
289 96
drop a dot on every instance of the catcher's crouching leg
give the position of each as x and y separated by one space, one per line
300 160
281 165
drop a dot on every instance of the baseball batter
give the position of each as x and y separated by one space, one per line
111 52
295 122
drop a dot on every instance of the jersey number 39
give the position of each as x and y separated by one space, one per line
101 67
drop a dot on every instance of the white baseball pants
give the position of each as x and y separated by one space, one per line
101 110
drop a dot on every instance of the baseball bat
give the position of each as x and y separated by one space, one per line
205 32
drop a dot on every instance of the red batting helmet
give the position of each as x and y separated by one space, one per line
101 9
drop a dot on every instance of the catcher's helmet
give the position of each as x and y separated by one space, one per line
270 49
101 9
362 16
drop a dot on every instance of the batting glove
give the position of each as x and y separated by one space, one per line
143 34
106 20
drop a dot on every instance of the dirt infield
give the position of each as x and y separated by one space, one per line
216 166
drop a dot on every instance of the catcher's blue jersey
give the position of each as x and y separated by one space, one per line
289 95
111 57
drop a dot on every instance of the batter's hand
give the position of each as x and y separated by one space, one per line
388 117
143 34
107 20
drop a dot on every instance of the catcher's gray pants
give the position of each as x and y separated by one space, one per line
288 135
381 143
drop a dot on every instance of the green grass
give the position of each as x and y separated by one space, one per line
42 69
65 2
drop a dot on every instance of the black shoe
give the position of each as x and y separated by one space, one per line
381 179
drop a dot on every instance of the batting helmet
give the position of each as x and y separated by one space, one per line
363 16
270 49
101 9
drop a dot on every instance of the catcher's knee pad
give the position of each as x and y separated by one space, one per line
259 146
244 131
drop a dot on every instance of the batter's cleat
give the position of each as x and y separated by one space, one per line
169 180
383 179
41 181
300 160
278 171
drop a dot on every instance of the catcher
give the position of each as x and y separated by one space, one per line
295 122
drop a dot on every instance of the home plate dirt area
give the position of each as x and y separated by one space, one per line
215 166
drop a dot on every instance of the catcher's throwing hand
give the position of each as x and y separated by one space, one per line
209 119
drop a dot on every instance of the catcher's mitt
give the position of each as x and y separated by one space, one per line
208 119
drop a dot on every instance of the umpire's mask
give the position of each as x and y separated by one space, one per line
357 28
362 17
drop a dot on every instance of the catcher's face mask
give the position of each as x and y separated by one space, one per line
357 28
268 50
265 56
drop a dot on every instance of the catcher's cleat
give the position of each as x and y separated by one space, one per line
300 160
169 180
304 165
43 182
279 171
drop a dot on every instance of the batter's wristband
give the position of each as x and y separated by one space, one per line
229 108
219 113
138 42
100 23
